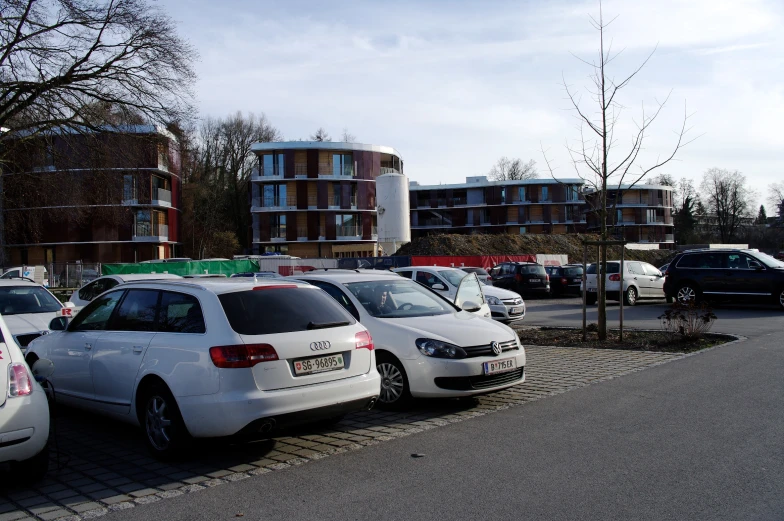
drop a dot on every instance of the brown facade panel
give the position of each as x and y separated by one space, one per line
302 195
322 195
313 226
329 222
367 226
291 228
288 160
345 195
459 217
371 191
264 227
313 161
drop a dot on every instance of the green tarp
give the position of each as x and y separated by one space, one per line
183 268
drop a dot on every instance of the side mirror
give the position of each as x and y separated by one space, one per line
58 324
42 369
471 307
438 287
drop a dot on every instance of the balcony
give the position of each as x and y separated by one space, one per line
459 201
348 232
163 198
278 233
147 232
326 170
300 171
388 170
669 237
302 234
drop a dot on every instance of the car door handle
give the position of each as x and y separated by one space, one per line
138 349
88 346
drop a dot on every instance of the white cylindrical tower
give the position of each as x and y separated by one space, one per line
393 213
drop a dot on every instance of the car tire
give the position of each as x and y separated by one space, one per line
780 298
688 292
164 430
590 299
395 393
630 297
32 470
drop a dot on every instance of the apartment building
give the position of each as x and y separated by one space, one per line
639 213
108 196
483 206
318 199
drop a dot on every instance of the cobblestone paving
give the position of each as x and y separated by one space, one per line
99 465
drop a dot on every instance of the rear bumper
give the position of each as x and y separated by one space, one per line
225 414
24 427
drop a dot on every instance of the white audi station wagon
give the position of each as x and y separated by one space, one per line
426 346
212 357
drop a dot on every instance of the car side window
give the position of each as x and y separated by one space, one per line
338 295
635 268
651 270
736 261
95 288
137 312
180 313
407 273
11 274
95 316
429 280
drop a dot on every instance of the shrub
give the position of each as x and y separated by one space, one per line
689 321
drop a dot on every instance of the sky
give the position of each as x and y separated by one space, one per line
453 86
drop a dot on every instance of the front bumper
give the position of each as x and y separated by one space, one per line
24 426
503 313
437 377
227 413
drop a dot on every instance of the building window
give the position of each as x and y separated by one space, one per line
273 165
342 165
347 225
569 213
545 194
619 216
130 193
572 193
278 226
522 230
521 194
651 215
274 195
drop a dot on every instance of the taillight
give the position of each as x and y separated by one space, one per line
519 278
564 281
19 383
363 340
547 277
244 355
667 273
615 277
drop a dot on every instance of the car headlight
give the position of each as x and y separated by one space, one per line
493 301
439 349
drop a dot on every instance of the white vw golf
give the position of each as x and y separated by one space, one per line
426 346
212 357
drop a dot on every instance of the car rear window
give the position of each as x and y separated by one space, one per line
531 269
612 267
573 272
282 310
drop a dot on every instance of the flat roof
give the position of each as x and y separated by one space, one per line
486 183
322 145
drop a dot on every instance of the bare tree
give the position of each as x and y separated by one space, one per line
348 137
728 198
320 135
507 169
776 198
61 59
597 158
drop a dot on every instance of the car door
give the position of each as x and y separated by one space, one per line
72 354
636 276
655 280
745 279
503 275
119 352
469 296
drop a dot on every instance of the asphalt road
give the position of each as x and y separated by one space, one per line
698 438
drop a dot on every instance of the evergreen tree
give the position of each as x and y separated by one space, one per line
684 221
762 218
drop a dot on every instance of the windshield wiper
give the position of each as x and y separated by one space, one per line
324 325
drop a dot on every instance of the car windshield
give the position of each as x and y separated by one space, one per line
19 300
767 260
453 276
478 271
398 299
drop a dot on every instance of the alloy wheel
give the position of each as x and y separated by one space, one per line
631 296
158 423
392 382
781 298
686 294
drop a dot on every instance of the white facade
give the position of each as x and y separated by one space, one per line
393 212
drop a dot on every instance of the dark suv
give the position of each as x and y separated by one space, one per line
525 278
725 274
565 280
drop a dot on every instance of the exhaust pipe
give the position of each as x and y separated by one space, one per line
267 425
371 404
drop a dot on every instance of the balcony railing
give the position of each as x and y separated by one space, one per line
163 198
150 232
348 231
388 170
278 233
300 170
328 170
302 233
459 201
669 237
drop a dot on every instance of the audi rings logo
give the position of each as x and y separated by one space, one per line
320 346
496 347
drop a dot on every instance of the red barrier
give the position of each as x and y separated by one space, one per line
477 261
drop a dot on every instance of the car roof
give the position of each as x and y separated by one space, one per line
343 276
215 285
127 277
18 282
428 268
719 250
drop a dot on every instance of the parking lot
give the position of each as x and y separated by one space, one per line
99 466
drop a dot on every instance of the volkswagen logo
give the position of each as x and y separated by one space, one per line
496 347
320 346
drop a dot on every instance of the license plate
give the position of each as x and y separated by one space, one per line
591 290
318 365
577 280
534 280
515 311
500 366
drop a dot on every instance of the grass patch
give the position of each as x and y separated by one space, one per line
633 340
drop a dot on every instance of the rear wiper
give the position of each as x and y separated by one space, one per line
324 325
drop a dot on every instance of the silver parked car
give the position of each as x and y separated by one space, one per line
640 281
